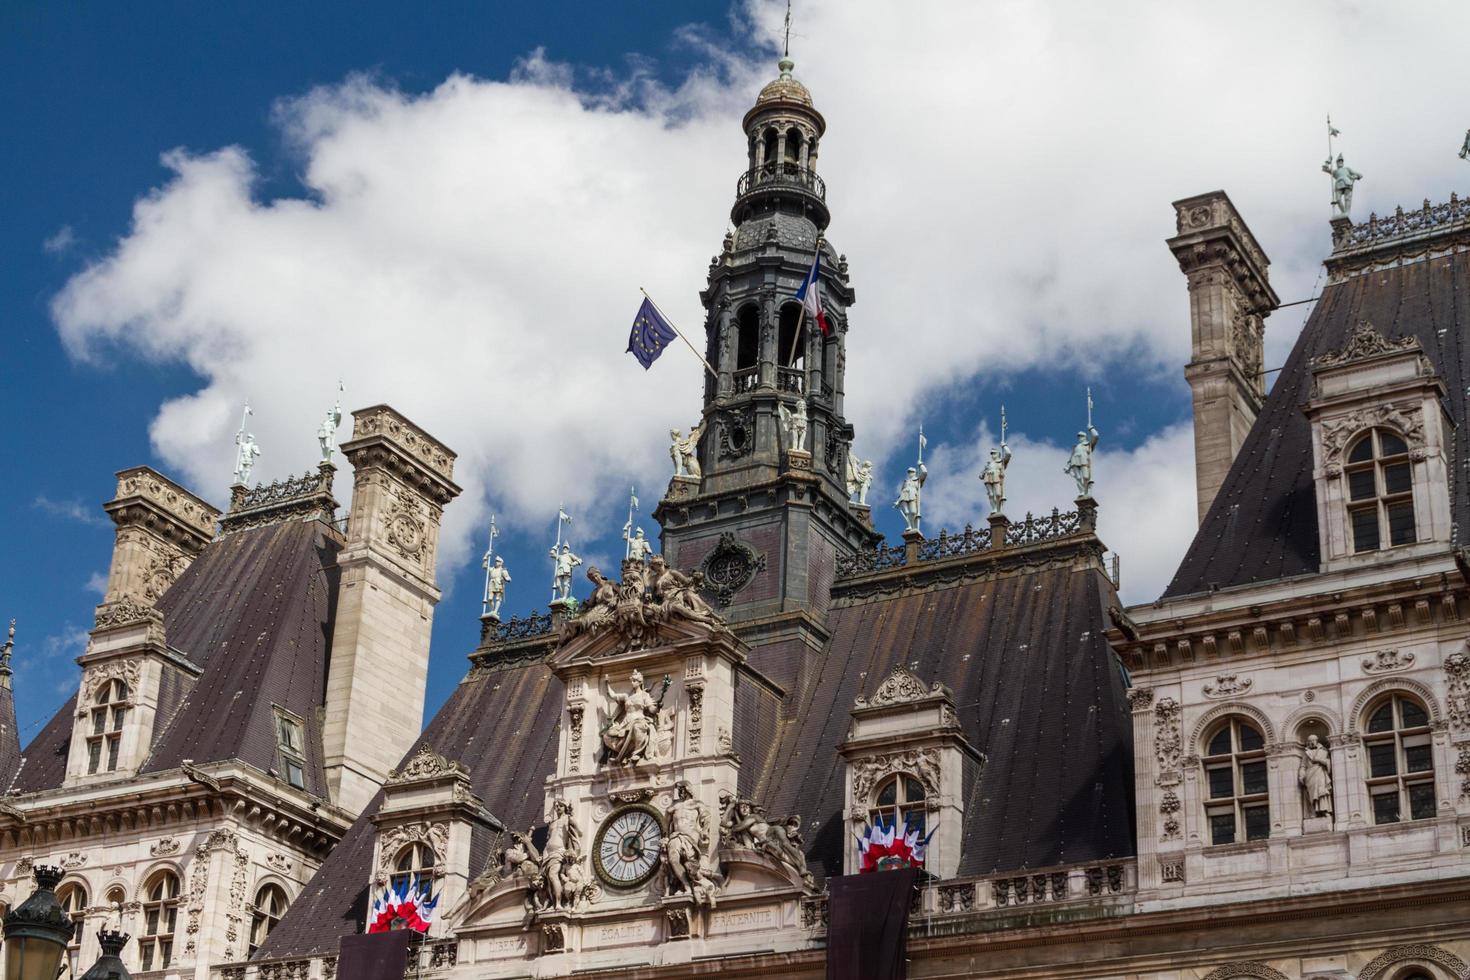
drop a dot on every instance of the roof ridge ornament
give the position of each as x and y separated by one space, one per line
899 687
1366 341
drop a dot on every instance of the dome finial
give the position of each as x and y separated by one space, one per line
786 65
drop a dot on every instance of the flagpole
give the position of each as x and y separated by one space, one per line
796 337
697 354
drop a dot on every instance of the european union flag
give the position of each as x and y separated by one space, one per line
650 335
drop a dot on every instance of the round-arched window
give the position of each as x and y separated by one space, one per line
899 802
1400 759
415 863
1237 806
1380 491
72 897
160 919
270 905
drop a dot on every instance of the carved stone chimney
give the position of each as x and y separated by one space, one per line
1229 298
161 528
385 601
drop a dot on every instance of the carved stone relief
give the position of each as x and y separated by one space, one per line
1366 342
1422 952
234 918
1387 660
922 764
730 567
436 836
574 739
1226 685
1139 698
426 764
1168 740
405 527
279 862
128 671
165 846
901 686
1406 419
1457 698
1169 807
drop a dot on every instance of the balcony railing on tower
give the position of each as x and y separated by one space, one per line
781 176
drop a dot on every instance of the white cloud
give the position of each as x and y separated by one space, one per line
1146 509
61 241
96 582
71 510
1000 176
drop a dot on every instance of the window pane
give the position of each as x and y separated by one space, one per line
1220 744
1390 444
94 756
1253 778
1363 450
1421 801
112 747
1417 758
294 775
1381 761
1386 807
147 956
1382 719
165 953
1365 529
1222 783
1396 478
1413 715
888 795
913 790
118 715
1257 823
151 928
99 722
1360 485
1401 522
1222 828
172 918
1250 739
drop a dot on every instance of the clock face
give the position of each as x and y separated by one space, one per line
628 846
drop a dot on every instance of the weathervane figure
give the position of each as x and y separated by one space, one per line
246 450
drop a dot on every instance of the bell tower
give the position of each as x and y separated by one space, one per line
769 511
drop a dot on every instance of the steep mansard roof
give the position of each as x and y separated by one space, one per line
9 738
1035 685
1263 523
254 611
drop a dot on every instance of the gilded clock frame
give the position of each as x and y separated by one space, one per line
597 837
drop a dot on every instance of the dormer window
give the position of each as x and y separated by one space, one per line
291 749
104 738
1380 491
899 802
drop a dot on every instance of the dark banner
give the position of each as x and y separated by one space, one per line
868 924
376 955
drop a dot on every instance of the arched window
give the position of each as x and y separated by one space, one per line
748 339
1380 491
772 141
1236 802
792 353
793 148
105 736
415 862
1400 760
270 905
160 918
73 899
899 801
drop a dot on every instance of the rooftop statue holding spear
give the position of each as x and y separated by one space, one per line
1079 466
909 493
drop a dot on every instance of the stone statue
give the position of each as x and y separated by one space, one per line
562 577
994 477
859 478
326 435
630 735
678 594
521 861
1343 179
784 842
794 425
746 827
688 848
496 580
1315 776
1465 147
684 450
639 547
245 456
563 848
908 502
1079 465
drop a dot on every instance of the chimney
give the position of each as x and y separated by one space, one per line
1229 298
385 601
161 528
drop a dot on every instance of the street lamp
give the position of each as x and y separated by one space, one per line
37 931
109 965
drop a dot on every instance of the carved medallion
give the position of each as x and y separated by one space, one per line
730 567
737 433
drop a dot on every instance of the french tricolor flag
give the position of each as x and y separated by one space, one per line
810 295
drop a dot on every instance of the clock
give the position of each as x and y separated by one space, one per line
628 846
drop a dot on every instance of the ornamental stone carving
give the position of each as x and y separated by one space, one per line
647 596
1407 420
392 841
730 567
574 740
1384 661
1168 740
162 571
128 671
1169 807
901 686
125 611
1226 686
1139 698
279 862
690 865
922 764
74 860
405 527
1422 952
165 846
426 764
236 914
1250 968
1457 698
1365 342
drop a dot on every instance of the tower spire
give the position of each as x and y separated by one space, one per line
5 652
786 48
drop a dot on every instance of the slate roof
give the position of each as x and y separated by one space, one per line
254 612
1036 687
1263 523
9 737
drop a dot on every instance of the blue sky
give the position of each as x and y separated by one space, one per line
452 206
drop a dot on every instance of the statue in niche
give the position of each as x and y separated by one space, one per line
684 450
1343 179
630 736
859 478
689 849
1315 777
794 425
1079 464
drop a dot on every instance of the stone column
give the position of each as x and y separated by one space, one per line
726 350
1141 700
1286 795
770 338
1349 796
